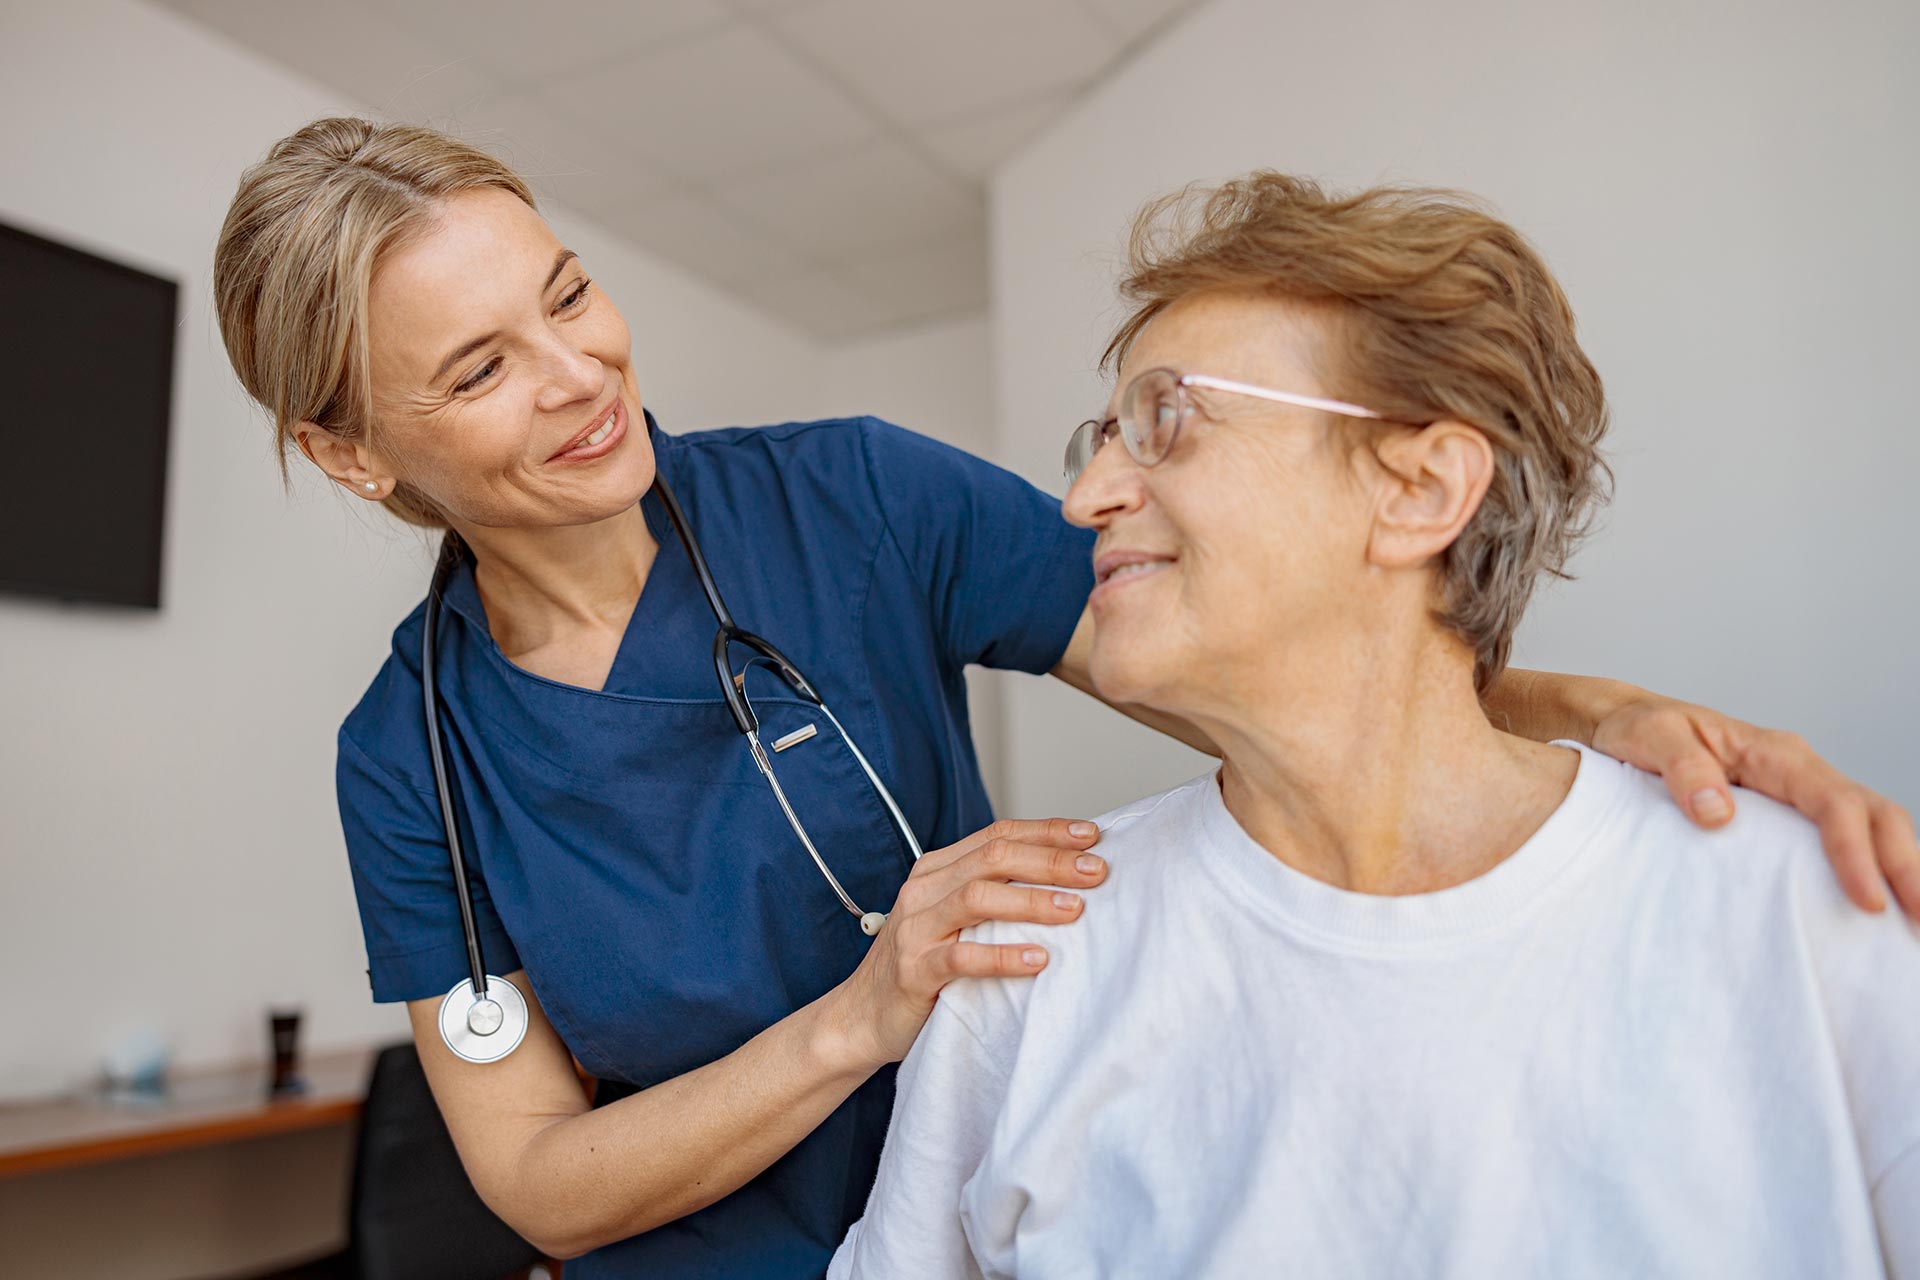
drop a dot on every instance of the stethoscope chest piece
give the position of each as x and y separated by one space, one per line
485 1030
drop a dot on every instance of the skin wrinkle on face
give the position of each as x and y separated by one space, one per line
1295 624
481 454
1239 469
561 548
466 349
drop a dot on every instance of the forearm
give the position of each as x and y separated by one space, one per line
1545 705
615 1171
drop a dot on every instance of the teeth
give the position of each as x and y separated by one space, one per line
605 427
1125 569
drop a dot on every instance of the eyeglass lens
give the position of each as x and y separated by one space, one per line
1150 415
1150 412
1081 446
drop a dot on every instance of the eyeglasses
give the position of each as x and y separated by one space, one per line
1155 404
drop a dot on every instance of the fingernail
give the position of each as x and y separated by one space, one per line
1033 957
1087 863
1711 804
1081 830
1065 901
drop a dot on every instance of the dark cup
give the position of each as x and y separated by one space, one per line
285 1024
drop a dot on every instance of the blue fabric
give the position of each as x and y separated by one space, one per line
622 847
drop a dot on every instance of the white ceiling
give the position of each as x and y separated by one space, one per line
824 159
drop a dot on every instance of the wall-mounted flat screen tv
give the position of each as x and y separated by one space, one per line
86 390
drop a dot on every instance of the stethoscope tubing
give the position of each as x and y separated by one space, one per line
430 696
470 1018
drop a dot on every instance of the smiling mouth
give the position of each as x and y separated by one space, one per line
1124 566
593 435
1126 571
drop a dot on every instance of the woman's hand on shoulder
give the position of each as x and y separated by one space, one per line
882 1006
1699 752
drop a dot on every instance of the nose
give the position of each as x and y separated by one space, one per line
571 374
1112 485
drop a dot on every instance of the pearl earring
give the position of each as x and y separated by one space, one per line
371 487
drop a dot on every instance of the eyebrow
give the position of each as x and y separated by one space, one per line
468 348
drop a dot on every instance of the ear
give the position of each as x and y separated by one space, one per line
1432 481
349 462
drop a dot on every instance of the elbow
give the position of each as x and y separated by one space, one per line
564 1239
557 1231
563 1214
559 1241
560 1250
549 1228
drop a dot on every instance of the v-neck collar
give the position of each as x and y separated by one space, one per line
668 579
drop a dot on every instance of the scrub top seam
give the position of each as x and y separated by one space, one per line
494 656
878 727
867 423
398 779
564 1025
476 876
458 944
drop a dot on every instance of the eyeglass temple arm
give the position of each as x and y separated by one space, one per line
1282 397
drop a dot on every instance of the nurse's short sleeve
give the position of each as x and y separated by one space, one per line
1005 574
403 882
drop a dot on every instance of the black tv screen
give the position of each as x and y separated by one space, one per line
86 363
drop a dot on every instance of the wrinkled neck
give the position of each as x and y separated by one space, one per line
1373 768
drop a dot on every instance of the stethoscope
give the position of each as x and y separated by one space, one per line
484 1017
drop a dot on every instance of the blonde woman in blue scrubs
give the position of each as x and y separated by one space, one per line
394 300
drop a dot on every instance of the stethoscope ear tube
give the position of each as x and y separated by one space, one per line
430 695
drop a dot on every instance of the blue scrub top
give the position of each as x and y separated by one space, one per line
621 845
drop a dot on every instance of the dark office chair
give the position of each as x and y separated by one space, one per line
412 1213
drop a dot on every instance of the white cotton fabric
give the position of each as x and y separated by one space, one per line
1633 1048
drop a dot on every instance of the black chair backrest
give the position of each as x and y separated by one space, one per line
414 1212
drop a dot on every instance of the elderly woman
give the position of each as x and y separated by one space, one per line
1393 992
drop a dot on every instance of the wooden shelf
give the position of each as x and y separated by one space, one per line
201 1108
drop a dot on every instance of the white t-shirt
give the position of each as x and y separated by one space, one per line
1633 1048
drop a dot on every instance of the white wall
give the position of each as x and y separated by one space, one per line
1727 191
